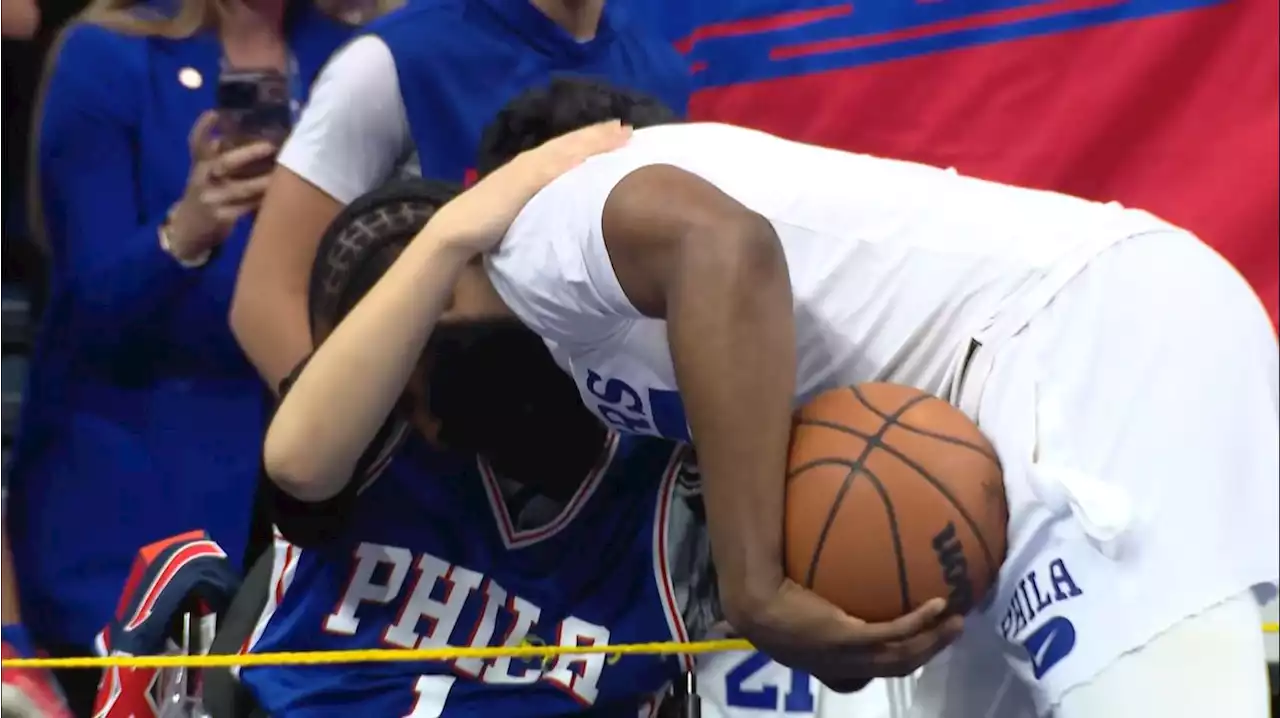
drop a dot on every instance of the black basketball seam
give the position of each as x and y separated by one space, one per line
925 432
845 483
872 442
946 493
896 535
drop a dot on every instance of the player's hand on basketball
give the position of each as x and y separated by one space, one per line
218 192
476 220
800 629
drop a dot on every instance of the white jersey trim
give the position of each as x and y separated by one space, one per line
284 562
514 538
661 566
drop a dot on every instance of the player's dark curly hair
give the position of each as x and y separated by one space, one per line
493 385
564 105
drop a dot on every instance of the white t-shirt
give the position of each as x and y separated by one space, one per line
353 134
894 266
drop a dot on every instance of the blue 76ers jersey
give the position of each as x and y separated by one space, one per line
433 558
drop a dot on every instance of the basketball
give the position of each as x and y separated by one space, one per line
894 497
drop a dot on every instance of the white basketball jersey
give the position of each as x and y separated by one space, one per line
894 266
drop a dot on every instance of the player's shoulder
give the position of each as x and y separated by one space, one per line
102 48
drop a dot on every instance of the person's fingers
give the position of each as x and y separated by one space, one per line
228 162
572 148
603 136
238 191
905 657
201 140
229 214
904 627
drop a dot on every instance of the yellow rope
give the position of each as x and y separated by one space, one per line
300 658
317 658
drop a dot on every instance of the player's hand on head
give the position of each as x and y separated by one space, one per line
800 629
476 220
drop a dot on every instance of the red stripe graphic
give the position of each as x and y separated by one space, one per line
971 22
757 25
172 566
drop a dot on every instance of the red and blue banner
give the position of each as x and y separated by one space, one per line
1168 105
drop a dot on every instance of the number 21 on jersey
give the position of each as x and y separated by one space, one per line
756 685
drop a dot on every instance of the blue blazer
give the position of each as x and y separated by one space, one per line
141 417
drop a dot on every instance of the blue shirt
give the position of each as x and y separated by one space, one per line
142 418
459 61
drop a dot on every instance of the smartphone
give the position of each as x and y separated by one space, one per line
253 105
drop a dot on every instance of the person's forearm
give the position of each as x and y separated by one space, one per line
355 377
121 298
269 313
274 330
732 335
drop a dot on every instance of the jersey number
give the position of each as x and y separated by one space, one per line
432 693
798 697
624 409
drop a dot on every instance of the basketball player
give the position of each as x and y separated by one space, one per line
704 280
565 534
620 544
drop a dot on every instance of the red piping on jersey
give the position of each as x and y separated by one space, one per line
515 539
175 563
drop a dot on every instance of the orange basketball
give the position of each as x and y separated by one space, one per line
894 497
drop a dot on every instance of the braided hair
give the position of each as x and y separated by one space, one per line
492 385
362 242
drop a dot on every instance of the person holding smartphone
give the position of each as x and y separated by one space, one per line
156 129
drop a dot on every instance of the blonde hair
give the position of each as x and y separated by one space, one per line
132 18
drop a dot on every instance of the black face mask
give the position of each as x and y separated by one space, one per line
497 392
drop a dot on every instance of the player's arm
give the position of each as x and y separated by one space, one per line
343 395
347 142
685 251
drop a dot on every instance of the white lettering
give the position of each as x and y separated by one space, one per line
361 588
432 693
433 606
579 675
494 597
441 615
526 614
